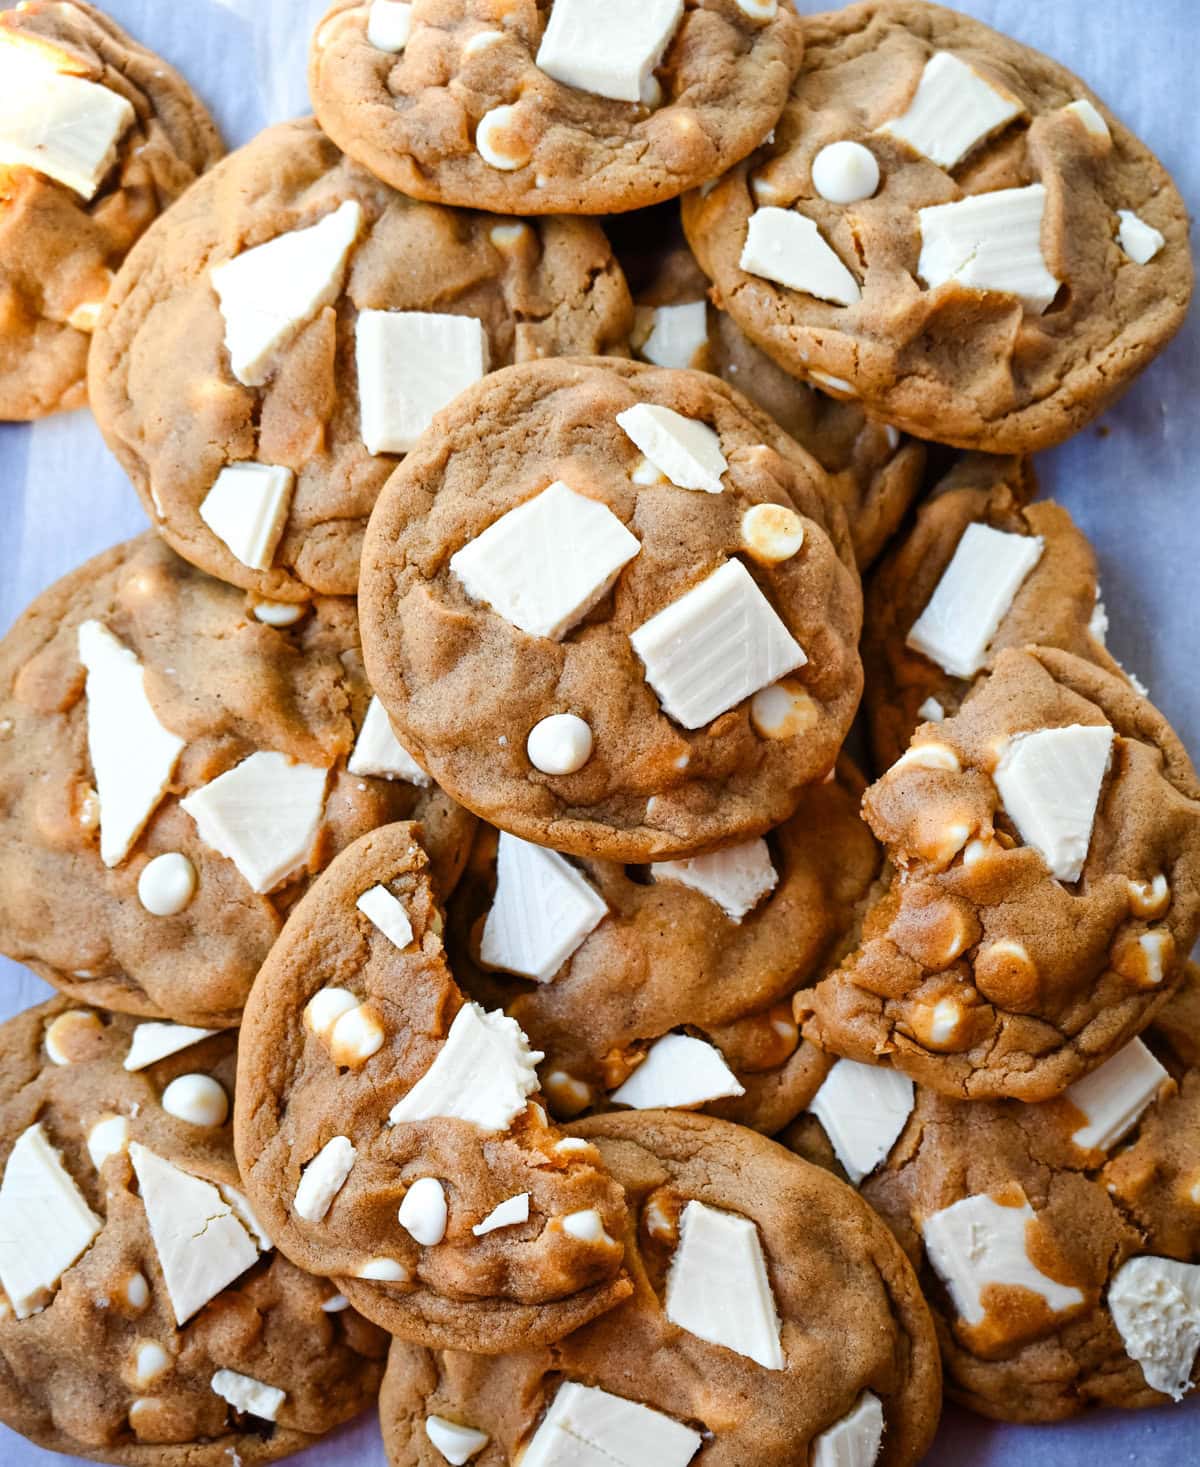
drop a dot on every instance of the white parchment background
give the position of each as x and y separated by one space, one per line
1132 487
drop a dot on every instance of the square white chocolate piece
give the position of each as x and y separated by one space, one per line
685 451
542 910
679 1071
379 754
989 242
855 1440
1049 782
735 879
863 1109
952 111
588 1427
247 508
610 50
788 248
1114 1095
458 1444
410 365
61 126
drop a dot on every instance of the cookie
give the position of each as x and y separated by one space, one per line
552 106
981 569
874 472
97 136
1046 887
953 225
389 1130
146 1317
773 1317
1080 1285
272 348
175 766
673 986
588 654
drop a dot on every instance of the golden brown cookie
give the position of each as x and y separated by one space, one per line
131 135
175 767
773 1317
590 655
987 257
676 984
1046 888
389 1130
547 106
269 350
146 1317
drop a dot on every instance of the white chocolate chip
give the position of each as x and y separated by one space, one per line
85 315
929 755
384 1270
389 24
480 41
1149 898
325 1008
759 9
782 711
108 1137
572 1145
845 172
772 533
335 1304
931 711
279 613
197 1099
559 744
423 1212
1091 119
71 1032
491 144
137 1291
831 383
356 1035
150 1360
587 1226
167 884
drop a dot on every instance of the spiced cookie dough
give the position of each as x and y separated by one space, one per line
175 767
547 106
773 1317
389 1130
955 226
613 609
97 136
273 347
672 985
874 472
146 1318
1046 891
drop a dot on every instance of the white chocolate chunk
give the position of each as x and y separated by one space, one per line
389 24
559 744
323 1178
1140 241
268 292
545 564
152 1042
685 450
279 613
678 1071
979 1242
931 711
458 1444
335 1304
410 365
201 1245
973 597
787 248
387 914
543 909
718 644
587 1226
61 126
863 1108
246 510
379 754
952 111
248 1395
1155 1304
1050 782
989 242
133 756
610 50
45 1222
1089 117
1114 1096
845 172
507 1214
587 1427
242 1210
263 815
855 1440
167 884
423 1212
108 1137
735 879
197 1099
677 336
484 1073
717 1285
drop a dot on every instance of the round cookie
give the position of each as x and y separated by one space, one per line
299 377
489 105
1003 325
389 1131
701 1366
1045 844
516 567
146 1318
130 875
680 994
66 229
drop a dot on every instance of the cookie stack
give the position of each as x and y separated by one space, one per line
478 948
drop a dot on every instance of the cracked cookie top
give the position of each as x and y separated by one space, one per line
954 226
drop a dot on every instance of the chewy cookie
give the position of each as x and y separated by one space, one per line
774 1320
544 106
271 348
1058 1244
672 985
175 766
613 609
953 225
1046 891
146 1318
97 136
390 1133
